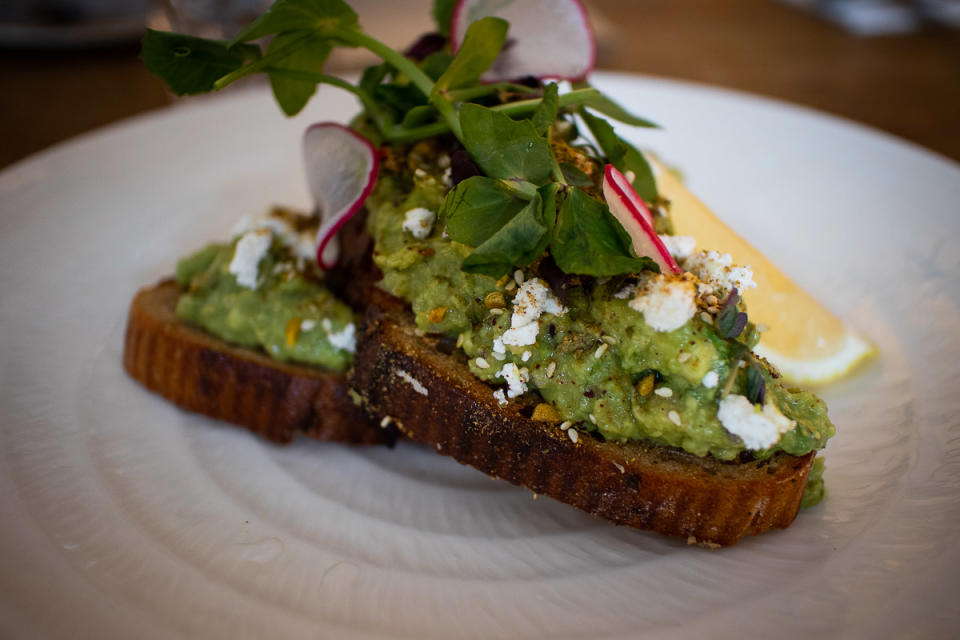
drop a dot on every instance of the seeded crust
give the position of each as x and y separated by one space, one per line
201 373
434 398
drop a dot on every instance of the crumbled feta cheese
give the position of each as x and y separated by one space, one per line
759 429
419 222
251 248
303 244
680 247
710 380
308 325
498 345
345 339
531 301
501 398
413 382
626 292
516 379
717 269
667 303
526 356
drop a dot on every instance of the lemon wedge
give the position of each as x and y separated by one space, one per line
807 343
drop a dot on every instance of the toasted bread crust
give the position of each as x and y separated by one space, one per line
435 399
204 374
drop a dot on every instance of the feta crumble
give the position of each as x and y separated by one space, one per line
667 303
759 429
413 382
251 248
303 244
531 301
516 379
345 339
501 398
717 269
680 247
308 325
419 222
710 380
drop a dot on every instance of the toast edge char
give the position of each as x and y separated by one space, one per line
201 373
435 399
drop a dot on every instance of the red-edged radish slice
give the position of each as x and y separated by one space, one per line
629 209
341 170
547 38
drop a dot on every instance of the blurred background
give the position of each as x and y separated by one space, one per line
69 66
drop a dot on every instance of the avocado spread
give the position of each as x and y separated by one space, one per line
594 358
271 299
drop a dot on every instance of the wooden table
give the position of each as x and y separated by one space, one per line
906 85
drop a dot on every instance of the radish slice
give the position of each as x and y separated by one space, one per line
547 38
629 209
341 170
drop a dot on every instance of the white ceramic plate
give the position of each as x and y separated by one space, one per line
122 516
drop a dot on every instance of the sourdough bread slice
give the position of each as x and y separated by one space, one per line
432 397
202 373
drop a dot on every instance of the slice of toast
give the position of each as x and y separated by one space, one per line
432 397
202 373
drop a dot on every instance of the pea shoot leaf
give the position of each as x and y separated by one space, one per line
481 46
299 15
505 148
477 208
622 155
519 242
756 384
292 94
190 65
599 101
546 113
588 240
443 14
730 322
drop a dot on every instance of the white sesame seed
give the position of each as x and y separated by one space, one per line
551 368
611 340
496 311
602 349
593 418
518 277
683 356
664 392
482 363
706 317
573 435
460 339
619 467
566 424
511 286
526 356
385 422
674 418
419 332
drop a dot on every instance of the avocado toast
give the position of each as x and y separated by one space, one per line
526 308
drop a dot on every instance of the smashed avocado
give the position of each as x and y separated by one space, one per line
289 314
590 364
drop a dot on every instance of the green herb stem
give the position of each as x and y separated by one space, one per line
261 63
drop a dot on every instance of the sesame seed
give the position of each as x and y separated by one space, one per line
419 332
674 418
573 435
496 311
518 277
551 368
611 340
711 299
526 356
482 363
385 422
619 467
593 418
683 356
566 424
602 349
664 392
706 317
460 339
511 286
